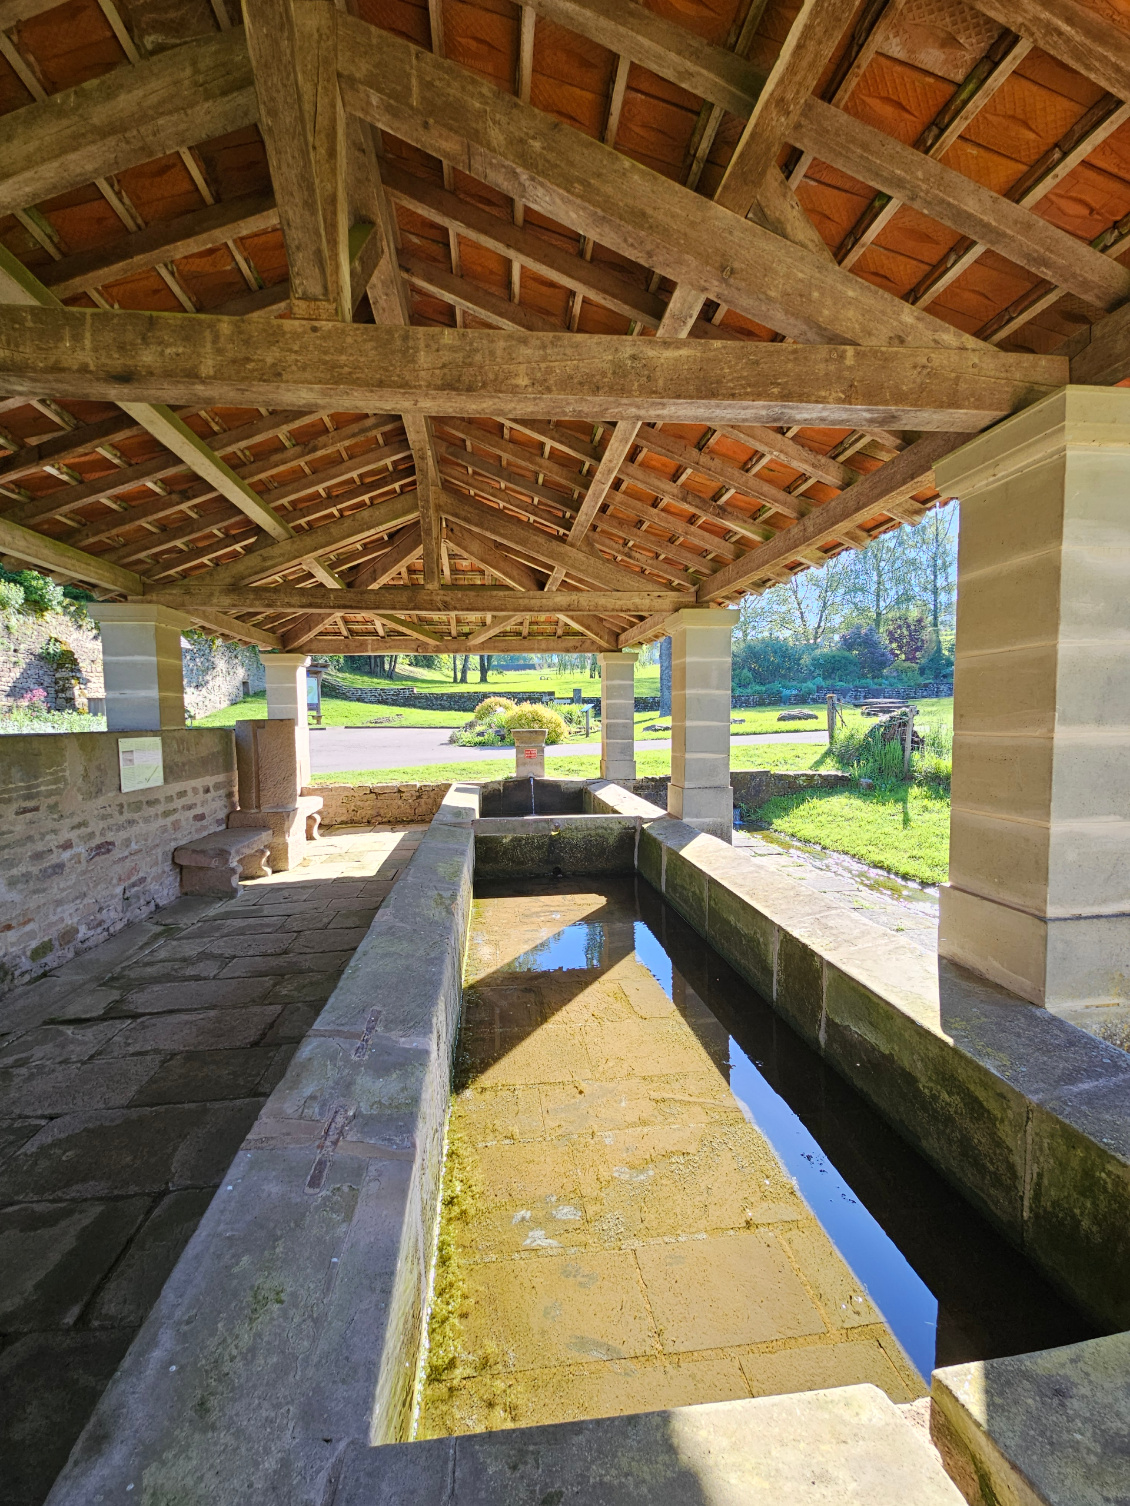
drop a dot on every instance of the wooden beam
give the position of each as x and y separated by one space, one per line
466 295
421 634
504 529
595 627
479 549
161 242
462 600
372 645
419 431
958 202
404 547
614 200
176 436
1100 353
20 288
301 548
810 43
909 472
649 628
190 93
518 243
724 472
292 49
300 632
792 453
495 627
49 554
231 627
670 50
1072 32
81 353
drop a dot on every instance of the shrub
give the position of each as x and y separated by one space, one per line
765 661
489 706
40 594
528 715
12 599
869 651
837 667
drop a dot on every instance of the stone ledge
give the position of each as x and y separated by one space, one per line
1044 1429
848 1447
292 1323
507 846
1026 1114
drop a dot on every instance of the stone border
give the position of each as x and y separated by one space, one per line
293 1321
1026 1114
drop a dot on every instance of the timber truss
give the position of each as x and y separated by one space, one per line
329 326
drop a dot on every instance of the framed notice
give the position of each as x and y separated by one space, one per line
140 762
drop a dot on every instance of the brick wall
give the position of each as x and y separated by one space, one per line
78 859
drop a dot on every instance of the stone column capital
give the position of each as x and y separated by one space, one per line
286 661
139 612
702 617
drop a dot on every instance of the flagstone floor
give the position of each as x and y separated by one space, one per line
128 1079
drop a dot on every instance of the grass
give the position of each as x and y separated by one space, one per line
335 714
903 828
501 682
572 766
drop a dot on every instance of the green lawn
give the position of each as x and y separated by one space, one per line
500 683
337 714
904 828
573 765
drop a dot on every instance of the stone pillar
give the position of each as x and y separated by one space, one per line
699 792
1038 897
618 716
286 697
141 665
665 677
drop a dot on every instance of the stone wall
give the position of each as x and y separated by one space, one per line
22 671
430 700
751 787
215 672
374 804
746 700
78 859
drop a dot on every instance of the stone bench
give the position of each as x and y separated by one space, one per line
214 864
291 828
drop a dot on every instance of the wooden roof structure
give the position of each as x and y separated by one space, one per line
334 326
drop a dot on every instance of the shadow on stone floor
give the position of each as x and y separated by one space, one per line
128 1080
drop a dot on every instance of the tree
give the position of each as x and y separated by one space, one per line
484 667
809 607
870 652
383 666
771 661
908 637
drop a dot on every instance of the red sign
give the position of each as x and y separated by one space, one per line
529 752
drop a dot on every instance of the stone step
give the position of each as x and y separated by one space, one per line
847 1447
1051 1427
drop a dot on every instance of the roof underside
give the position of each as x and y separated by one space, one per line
615 517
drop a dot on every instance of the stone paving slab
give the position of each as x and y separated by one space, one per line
846 1447
128 1079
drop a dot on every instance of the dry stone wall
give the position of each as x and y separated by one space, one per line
78 859
23 671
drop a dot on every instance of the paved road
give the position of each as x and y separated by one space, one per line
336 748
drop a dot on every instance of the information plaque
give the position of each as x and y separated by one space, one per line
140 762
